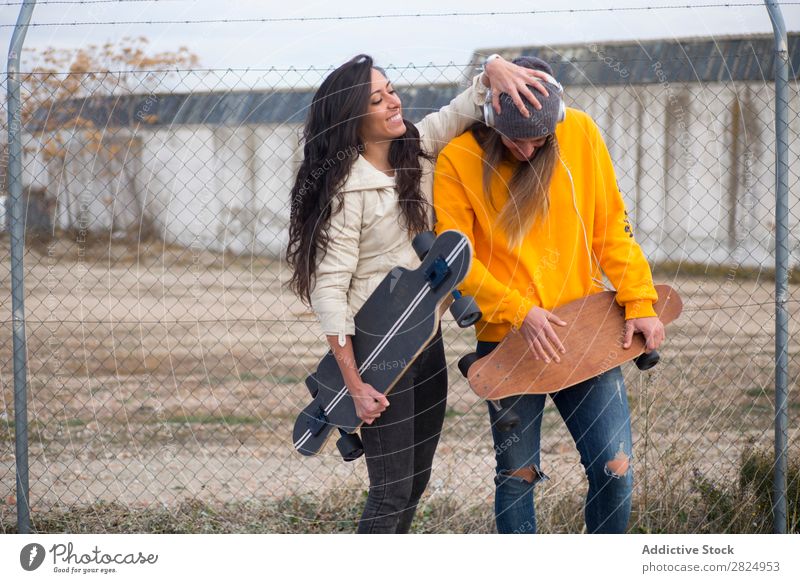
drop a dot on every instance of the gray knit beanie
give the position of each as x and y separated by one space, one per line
543 121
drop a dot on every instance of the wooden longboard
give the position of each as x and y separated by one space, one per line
393 327
592 338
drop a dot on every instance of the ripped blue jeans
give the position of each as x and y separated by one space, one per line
597 416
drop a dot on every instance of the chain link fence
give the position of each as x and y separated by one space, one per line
166 360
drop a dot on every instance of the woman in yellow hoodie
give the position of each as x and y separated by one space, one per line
538 198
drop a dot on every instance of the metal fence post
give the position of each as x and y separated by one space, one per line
17 273
781 261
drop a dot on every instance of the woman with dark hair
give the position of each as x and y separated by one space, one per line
538 198
363 191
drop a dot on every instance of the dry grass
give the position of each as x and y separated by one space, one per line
705 507
163 384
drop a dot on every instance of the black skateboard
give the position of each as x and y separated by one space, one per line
392 328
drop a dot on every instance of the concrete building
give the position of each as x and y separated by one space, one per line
689 124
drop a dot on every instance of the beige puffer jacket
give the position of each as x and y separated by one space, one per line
367 238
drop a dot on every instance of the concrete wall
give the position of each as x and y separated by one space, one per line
695 163
218 188
696 166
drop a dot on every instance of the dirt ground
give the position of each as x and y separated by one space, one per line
158 374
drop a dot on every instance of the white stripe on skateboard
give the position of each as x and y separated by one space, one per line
392 331
382 344
403 317
385 340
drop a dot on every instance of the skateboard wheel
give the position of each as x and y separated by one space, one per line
312 385
647 361
350 446
465 362
465 311
422 243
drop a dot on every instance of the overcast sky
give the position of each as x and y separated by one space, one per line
390 40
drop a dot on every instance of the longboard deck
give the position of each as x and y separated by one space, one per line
392 329
592 338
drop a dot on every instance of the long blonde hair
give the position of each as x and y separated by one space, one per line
528 189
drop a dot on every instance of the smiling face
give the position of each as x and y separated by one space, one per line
384 117
523 149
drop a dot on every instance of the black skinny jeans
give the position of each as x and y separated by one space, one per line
400 444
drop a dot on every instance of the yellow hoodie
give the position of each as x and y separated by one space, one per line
552 266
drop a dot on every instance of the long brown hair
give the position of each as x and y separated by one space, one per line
331 144
528 189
